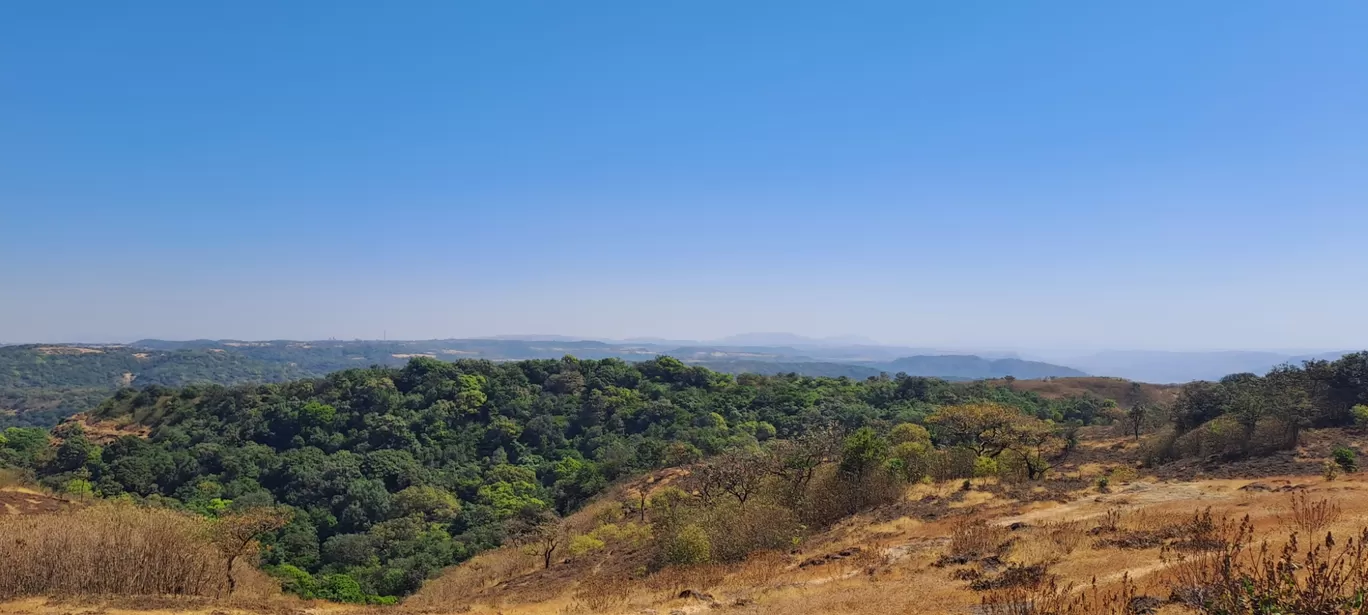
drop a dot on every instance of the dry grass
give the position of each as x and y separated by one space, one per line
114 549
600 594
461 584
1048 597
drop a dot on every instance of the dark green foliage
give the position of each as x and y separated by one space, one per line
394 473
1345 458
1315 394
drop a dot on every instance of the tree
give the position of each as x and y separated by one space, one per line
1034 441
1136 417
909 432
796 461
983 427
862 453
1291 391
541 532
236 535
738 474
1197 403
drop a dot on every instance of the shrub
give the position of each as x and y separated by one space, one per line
584 544
1320 577
79 488
975 539
910 433
1312 516
294 580
341 588
911 460
985 466
115 549
952 463
1360 414
687 546
1345 458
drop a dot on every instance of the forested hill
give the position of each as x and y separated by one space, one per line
397 472
40 384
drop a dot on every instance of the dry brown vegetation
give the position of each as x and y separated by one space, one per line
118 549
1002 547
1105 388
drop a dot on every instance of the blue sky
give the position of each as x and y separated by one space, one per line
1008 174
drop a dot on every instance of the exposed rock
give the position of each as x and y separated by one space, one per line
1144 605
696 595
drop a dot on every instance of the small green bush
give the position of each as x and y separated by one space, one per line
1345 458
294 580
583 544
1360 413
341 588
985 466
687 547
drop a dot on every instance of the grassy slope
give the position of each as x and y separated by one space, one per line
880 562
869 563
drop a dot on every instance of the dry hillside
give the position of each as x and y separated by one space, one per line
1131 545
1107 388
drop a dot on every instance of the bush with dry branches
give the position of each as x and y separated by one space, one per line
112 549
1311 516
1327 577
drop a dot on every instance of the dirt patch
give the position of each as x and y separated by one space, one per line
104 432
75 350
26 502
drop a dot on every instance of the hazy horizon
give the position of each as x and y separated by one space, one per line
1166 176
1043 352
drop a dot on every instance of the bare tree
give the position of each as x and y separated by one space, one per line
736 474
235 535
796 461
541 532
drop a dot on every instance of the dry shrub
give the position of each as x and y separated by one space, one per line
1122 474
951 464
1045 596
675 579
600 593
736 532
1050 543
972 539
1110 522
1149 520
1066 536
110 549
460 584
1324 578
1311 516
13 477
832 496
760 569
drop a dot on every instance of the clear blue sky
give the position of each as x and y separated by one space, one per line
1015 174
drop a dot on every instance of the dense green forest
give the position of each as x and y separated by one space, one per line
1250 414
395 473
42 384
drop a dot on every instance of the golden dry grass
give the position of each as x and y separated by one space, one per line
116 549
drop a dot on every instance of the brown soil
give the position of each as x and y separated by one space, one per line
18 501
1106 388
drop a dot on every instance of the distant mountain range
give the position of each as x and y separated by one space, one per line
1176 367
